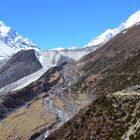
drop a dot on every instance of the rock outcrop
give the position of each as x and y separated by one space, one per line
18 66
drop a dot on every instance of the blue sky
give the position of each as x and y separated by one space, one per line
64 23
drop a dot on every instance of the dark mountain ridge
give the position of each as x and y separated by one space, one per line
18 66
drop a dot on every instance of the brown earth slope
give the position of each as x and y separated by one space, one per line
113 115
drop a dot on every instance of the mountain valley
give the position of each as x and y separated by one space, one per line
89 93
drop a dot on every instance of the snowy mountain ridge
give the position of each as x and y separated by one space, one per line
109 33
11 42
3 29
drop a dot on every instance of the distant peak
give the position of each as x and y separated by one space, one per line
58 49
4 29
133 19
11 42
109 33
1 23
136 14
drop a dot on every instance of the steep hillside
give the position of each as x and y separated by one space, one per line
111 75
112 54
112 117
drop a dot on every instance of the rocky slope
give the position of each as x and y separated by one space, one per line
111 75
113 117
18 66
13 100
50 92
23 112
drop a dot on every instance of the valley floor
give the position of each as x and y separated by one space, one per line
26 121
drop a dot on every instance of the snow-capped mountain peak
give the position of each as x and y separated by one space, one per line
3 29
11 42
132 20
109 33
60 48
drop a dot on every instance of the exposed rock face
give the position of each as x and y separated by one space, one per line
19 65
